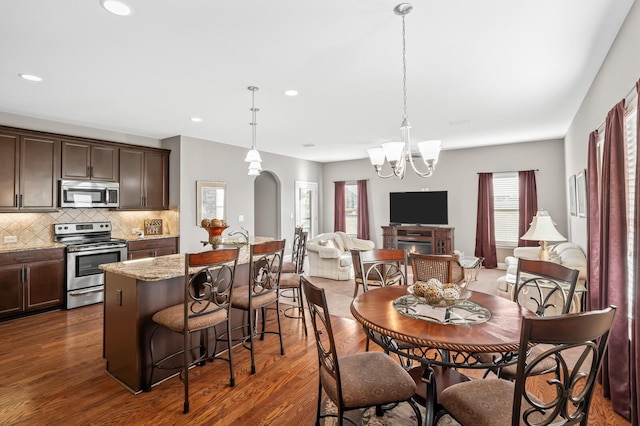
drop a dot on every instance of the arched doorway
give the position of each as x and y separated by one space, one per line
266 205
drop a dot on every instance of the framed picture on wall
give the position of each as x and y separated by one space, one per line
572 196
581 193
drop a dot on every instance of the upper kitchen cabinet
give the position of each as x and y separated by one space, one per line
89 161
144 179
29 172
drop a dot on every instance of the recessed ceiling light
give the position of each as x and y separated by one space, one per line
30 77
117 7
308 145
196 119
291 92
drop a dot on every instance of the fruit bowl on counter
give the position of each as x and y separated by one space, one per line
215 228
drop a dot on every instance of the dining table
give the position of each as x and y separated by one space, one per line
443 338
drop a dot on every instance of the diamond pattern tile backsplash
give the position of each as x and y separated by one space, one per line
37 228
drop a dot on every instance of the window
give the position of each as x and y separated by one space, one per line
630 126
505 208
351 208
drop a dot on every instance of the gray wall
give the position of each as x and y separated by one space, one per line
616 78
456 172
212 161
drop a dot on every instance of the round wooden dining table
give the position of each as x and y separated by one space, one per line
441 348
499 333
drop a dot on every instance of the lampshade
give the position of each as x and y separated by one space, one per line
376 155
255 165
252 155
430 150
393 150
542 229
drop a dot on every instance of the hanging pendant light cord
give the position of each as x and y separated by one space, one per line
404 70
254 122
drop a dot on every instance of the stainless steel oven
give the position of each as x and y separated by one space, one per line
89 245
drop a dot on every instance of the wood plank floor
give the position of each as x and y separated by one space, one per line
52 373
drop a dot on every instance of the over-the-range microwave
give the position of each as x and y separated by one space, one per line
89 194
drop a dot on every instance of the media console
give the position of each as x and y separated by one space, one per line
420 239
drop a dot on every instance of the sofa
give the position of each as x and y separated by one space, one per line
329 255
566 254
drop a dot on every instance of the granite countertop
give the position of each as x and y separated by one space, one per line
164 267
8 248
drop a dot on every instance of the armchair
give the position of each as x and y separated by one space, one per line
330 255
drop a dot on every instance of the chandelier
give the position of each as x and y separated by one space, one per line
253 156
398 154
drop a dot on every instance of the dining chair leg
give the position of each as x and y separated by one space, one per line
252 317
279 327
232 376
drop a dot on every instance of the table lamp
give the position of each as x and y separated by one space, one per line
542 229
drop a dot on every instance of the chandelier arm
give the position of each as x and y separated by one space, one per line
430 169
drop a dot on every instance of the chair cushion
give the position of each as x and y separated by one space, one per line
485 402
361 387
173 318
288 267
240 299
289 280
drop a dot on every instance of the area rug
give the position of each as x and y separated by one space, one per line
401 415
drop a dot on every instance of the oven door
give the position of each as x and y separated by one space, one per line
83 269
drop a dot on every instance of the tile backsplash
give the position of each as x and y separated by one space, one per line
37 228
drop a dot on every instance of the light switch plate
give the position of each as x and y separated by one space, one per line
10 239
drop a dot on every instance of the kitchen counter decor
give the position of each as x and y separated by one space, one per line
215 228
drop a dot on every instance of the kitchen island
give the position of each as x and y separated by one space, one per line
134 290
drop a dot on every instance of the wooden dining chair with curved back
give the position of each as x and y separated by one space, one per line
379 267
382 268
543 287
262 293
361 380
207 298
489 402
290 283
445 268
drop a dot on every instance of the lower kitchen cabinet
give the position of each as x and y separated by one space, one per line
139 249
30 281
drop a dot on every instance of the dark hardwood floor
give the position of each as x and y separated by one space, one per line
52 373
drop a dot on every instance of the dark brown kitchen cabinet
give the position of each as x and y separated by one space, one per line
29 172
139 249
144 179
31 281
89 161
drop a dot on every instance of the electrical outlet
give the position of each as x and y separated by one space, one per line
241 218
10 239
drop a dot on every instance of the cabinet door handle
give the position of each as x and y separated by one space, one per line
17 200
23 275
21 204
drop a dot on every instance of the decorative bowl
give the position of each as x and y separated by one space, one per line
443 302
215 234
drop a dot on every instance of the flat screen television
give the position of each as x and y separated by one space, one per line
418 208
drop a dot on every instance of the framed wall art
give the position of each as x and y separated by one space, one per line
210 201
581 193
572 196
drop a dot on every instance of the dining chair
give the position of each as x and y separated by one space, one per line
501 402
355 381
539 286
382 268
290 284
207 297
378 267
261 294
292 265
445 268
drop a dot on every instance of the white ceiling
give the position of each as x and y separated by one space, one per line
478 72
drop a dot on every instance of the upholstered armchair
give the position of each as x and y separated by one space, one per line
330 255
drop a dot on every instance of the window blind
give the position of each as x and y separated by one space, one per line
506 208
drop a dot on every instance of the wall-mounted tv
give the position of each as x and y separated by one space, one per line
418 208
